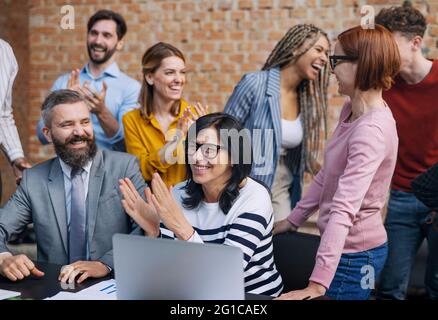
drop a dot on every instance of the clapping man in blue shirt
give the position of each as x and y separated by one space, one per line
109 92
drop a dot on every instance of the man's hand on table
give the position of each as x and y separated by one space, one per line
86 269
17 267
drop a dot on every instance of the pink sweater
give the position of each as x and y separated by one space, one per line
351 189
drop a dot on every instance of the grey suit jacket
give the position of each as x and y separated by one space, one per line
40 199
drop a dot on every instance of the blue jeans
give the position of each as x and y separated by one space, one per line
407 223
356 274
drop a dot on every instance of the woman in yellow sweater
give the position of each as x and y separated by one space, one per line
155 131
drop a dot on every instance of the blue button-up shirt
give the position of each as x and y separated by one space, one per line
121 96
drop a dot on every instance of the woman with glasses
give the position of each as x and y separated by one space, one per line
351 188
154 132
284 106
219 202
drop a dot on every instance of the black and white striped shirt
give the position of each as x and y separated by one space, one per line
248 226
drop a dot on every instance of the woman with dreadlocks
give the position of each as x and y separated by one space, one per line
284 106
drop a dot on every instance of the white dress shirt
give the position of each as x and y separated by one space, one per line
9 138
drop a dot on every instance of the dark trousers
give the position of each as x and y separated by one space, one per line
408 223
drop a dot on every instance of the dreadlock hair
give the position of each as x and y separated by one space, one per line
312 94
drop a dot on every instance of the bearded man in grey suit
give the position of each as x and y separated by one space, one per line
73 200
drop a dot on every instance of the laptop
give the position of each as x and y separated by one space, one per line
158 269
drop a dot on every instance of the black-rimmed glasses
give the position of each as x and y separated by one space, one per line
335 60
208 150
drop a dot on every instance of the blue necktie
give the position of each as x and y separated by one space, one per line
77 244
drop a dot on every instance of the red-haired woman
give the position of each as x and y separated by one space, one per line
351 188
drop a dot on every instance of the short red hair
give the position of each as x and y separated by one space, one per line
378 58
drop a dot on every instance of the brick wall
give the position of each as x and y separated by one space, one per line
222 40
14 22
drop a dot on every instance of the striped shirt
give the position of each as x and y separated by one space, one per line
248 226
256 103
9 138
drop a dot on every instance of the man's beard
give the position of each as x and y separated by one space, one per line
75 158
108 54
